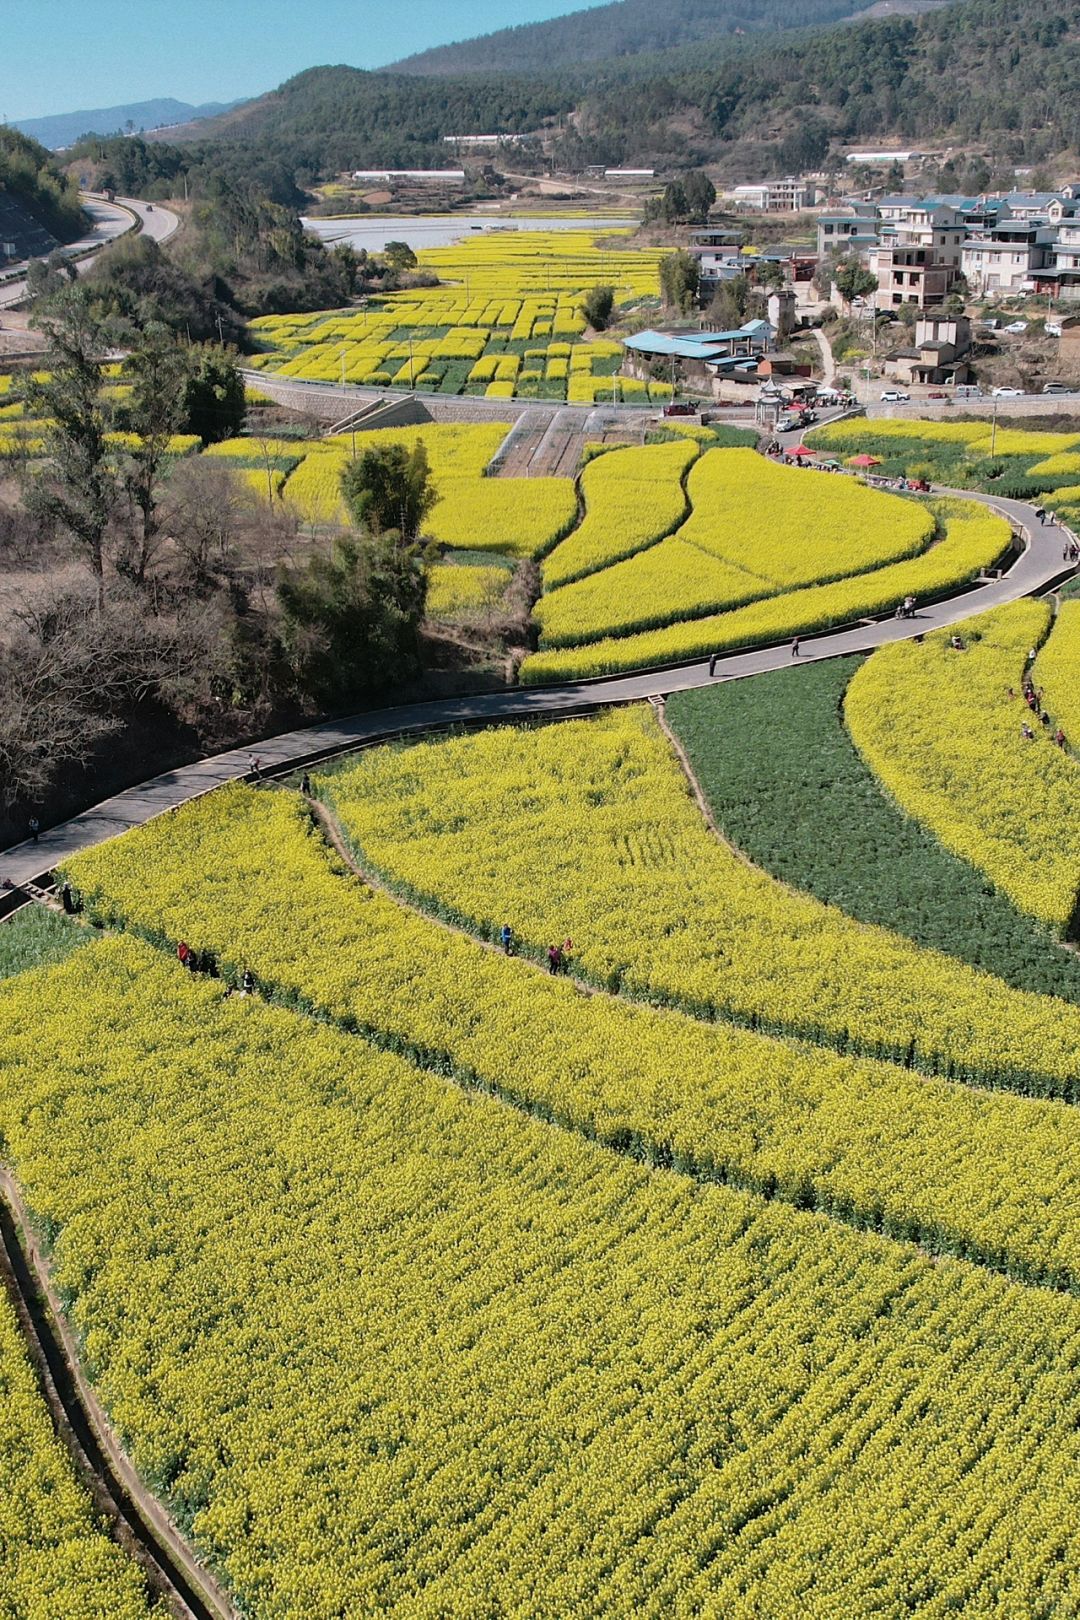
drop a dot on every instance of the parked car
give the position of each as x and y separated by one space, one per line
893 396
968 391
1053 329
937 393
680 407
1016 327
1008 393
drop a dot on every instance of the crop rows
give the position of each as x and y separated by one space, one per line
506 322
1057 673
975 539
55 1558
392 1350
978 1173
750 533
786 784
944 731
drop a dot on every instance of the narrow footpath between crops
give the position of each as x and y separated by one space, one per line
644 1151
1039 567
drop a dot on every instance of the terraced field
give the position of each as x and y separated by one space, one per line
621 1166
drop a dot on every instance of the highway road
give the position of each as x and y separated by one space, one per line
108 222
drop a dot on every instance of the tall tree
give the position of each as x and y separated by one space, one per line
680 275
700 195
597 306
349 621
77 486
389 488
213 398
158 370
853 280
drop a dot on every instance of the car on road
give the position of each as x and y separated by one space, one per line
680 407
1008 393
1059 388
893 396
967 391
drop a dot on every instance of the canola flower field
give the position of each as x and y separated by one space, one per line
393 1349
55 1559
757 1228
751 533
966 453
505 322
943 730
974 539
708 1098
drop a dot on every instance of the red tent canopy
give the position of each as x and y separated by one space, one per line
866 461
801 450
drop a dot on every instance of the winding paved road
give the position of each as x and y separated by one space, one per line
1039 566
108 222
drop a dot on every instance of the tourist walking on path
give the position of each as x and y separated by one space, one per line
506 936
795 647
35 827
712 664
554 956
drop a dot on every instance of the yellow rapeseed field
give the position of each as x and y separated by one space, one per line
55 1558
943 731
632 498
754 529
394 1349
1057 673
975 539
459 589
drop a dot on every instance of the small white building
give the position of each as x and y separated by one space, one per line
409 177
786 196
872 158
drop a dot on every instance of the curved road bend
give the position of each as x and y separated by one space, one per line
108 222
1039 566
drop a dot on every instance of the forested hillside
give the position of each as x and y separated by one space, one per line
31 179
981 70
624 28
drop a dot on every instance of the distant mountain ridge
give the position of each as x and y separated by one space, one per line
63 129
620 29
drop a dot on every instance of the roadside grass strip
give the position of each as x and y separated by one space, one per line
1057 673
943 734
981 1173
633 497
455 590
752 532
391 1349
975 539
34 936
787 785
56 1559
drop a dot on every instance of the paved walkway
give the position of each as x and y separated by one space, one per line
1037 568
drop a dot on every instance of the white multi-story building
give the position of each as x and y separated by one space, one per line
786 196
1007 258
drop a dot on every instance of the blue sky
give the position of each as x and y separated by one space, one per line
63 55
